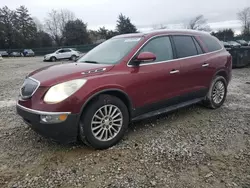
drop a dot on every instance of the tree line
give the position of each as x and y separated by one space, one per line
18 29
228 34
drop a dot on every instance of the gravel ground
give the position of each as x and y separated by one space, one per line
192 147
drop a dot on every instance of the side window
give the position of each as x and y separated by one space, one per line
161 47
61 51
185 46
198 47
67 50
211 43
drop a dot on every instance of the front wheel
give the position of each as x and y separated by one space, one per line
104 122
53 59
217 93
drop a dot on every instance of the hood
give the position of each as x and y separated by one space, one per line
54 74
50 54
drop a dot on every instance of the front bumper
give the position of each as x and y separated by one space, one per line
63 132
46 58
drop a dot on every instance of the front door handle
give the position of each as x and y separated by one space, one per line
205 65
174 71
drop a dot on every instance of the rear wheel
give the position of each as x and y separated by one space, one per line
104 122
53 59
217 93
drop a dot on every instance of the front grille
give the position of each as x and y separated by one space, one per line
28 88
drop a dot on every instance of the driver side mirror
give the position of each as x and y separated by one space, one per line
145 57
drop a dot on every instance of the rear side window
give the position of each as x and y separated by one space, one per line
161 47
67 50
198 47
210 43
184 46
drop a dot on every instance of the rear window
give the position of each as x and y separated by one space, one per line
185 46
211 43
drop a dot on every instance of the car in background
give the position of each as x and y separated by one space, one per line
234 44
226 44
124 79
80 55
63 53
28 53
242 42
16 54
4 53
248 43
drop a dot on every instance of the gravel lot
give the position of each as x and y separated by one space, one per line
191 147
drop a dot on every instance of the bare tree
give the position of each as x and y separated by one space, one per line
56 22
244 17
199 23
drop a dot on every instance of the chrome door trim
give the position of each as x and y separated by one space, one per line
174 71
172 60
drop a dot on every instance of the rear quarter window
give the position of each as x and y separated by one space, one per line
211 43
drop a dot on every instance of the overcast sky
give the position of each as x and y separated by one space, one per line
143 13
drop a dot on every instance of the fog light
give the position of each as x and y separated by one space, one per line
53 118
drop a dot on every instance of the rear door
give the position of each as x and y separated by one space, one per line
157 83
189 53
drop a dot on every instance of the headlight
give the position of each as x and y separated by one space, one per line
62 91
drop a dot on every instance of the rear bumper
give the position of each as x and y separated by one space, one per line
63 132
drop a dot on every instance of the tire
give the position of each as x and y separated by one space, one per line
211 100
53 59
88 128
73 57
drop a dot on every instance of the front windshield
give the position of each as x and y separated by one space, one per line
110 51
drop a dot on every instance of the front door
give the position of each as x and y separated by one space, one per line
61 54
156 84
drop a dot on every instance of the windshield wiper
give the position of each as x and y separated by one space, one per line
94 62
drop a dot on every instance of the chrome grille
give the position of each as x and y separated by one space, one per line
29 87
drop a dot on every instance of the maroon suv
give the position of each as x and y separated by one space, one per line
126 78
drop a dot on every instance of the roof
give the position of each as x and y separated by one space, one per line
164 31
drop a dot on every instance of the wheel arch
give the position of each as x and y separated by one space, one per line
114 92
222 73
52 57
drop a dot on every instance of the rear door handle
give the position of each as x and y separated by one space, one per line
205 65
174 71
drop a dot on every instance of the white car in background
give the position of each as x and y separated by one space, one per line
63 53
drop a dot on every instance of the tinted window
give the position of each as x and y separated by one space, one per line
161 47
210 43
185 46
198 47
61 51
67 50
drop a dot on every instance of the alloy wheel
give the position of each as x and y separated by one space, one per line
218 92
106 122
